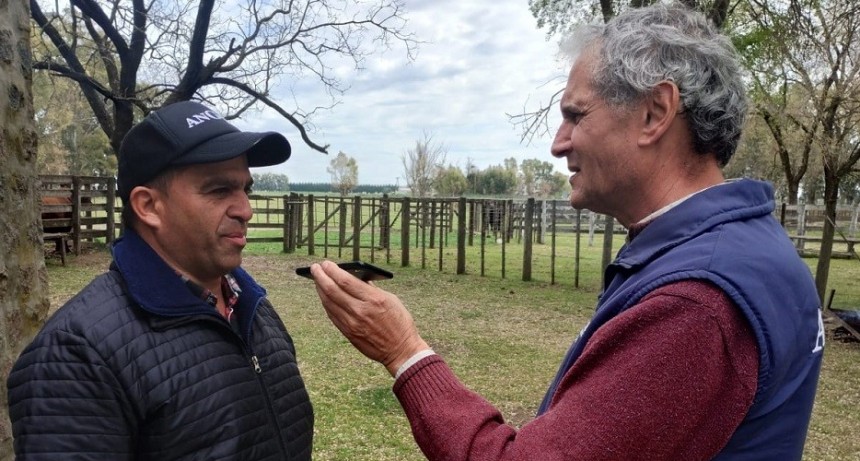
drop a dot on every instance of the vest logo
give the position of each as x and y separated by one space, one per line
819 341
202 117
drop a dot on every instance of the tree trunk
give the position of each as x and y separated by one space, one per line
793 191
23 284
831 193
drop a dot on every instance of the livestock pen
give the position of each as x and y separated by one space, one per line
488 236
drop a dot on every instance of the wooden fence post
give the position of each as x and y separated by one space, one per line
111 210
422 231
433 226
385 222
342 222
528 230
356 229
461 236
509 227
472 206
299 215
540 208
483 226
405 217
288 223
76 213
507 224
311 224
296 216
325 226
371 219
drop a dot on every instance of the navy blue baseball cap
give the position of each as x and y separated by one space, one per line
187 133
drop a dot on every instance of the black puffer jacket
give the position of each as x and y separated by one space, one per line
136 367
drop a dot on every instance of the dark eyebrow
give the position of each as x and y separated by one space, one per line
220 181
570 111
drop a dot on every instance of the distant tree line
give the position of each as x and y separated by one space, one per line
308 187
426 173
271 182
274 182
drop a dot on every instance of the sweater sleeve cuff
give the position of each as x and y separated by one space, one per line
413 360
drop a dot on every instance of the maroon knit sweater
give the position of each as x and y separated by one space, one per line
669 379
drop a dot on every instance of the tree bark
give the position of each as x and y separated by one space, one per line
23 280
831 194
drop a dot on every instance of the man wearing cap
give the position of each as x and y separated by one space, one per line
175 352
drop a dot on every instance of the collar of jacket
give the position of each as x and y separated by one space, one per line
157 288
736 199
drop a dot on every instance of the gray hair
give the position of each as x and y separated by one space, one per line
645 46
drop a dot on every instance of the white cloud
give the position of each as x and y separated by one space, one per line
481 59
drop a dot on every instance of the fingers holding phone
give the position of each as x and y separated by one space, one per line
373 320
359 269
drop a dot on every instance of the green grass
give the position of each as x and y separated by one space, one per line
503 337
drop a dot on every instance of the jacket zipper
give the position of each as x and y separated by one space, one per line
258 371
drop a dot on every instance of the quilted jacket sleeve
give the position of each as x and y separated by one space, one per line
64 402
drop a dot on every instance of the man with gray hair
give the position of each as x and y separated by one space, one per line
707 338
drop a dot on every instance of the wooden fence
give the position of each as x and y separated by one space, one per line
490 235
804 224
77 209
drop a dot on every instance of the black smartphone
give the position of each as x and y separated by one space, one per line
360 269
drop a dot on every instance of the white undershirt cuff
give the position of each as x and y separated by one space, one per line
413 360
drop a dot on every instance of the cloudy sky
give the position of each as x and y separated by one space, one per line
480 60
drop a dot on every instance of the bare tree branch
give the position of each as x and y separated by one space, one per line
276 107
144 54
90 91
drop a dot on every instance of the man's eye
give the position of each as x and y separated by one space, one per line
574 117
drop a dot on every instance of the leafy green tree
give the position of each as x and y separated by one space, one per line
450 182
809 48
344 173
70 139
538 178
495 180
757 157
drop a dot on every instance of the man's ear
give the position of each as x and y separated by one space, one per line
145 202
661 111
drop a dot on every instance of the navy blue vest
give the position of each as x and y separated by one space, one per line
728 236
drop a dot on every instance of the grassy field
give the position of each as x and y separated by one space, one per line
503 337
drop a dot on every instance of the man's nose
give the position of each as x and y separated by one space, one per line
561 142
241 210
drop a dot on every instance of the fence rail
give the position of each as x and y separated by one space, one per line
483 235
78 208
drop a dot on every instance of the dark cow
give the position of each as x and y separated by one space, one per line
492 216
